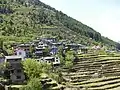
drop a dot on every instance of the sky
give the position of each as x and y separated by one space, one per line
102 15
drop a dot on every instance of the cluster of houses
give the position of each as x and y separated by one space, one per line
42 50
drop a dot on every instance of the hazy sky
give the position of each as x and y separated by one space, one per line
101 15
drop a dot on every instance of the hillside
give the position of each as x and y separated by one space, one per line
23 20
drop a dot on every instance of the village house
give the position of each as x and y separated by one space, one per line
54 47
82 50
26 48
96 47
20 52
49 41
57 44
53 50
78 48
54 60
53 40
73 46
15 68
42 45
35 41
39 52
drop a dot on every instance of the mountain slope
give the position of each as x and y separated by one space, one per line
32 18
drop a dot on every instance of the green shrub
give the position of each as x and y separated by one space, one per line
33 84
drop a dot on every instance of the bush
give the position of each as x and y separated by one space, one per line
33 84
32 68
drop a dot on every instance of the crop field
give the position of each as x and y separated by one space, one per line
94 72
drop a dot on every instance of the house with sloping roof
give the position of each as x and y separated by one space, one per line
53 50
39 52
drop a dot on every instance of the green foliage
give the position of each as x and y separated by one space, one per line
69 59
34 69
78 26
46 68
69 56
57 75
60 55
1 43
101 52
69 64
62 61
33 84
3 66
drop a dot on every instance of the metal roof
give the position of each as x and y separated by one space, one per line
48 57
13 57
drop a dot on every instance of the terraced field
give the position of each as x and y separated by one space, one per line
94 72
50 83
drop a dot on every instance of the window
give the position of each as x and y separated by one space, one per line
56 57
16 59
12 71
15 53
18 77
19 71
20 53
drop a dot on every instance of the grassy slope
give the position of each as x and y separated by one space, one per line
30 20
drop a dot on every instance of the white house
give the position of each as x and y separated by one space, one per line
41 44
96 47
53 60
21 52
